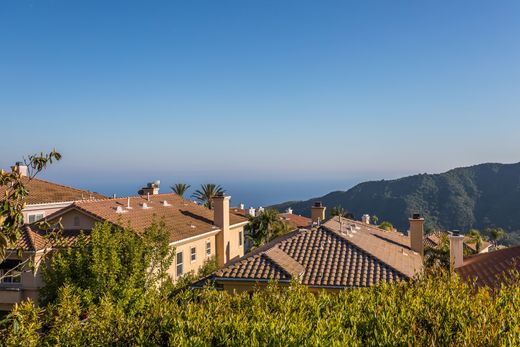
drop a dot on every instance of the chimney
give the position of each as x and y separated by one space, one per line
416 233
151 188
221 220
366 219
318 212
251 211
289 211
20 169
456 250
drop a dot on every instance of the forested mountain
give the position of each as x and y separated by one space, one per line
480 196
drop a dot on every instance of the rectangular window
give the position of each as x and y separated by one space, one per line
240 238
208 248
179 264
7 274
35 217
193 254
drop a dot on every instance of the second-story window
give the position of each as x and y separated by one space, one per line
193 254
240 238
35 217
179 264
10 271
208 248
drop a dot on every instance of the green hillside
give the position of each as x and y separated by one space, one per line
480 196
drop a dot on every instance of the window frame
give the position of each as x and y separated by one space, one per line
193 254
177 264
208 248
241 238
34 215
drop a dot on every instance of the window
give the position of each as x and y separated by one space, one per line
179 263
193 254
35 217
208 248
7 268
76 221
240 237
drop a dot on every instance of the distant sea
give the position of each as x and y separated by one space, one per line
249 193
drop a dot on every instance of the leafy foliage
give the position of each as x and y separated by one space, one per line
206 193
481 196
385 225
265 227
436 310
12 203
180 188
110 262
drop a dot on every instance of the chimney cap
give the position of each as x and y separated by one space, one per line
416 216
318 204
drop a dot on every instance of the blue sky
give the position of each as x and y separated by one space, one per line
259 90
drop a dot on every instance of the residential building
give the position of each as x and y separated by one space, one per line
340 253
490 269
47 197
434 239
196 232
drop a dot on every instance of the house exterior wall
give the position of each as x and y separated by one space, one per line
28 288
45 209
69 219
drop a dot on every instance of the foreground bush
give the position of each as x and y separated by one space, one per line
436 310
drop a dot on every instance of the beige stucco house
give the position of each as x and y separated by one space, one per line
196 233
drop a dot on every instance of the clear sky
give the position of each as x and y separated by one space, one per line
259 90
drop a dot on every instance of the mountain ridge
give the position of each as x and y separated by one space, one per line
478 196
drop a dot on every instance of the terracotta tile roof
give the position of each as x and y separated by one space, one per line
326 257
295 220
43 192
183 218
489 269
33 239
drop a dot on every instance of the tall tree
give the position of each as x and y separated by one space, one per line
206 193
265 227
112 262
475 237
495 235
340 211
13 201
180 188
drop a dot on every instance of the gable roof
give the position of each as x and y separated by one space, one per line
44 192
327 257
490 269
295 220
182 218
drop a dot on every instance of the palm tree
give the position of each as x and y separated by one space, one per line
475 237
495 235
180 188
206 193
265 227
340 211
438 255
375 219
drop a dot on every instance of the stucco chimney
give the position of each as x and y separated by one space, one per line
456 250
289 210
21 169
366 219
221 220
416 233
318 212
252 211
